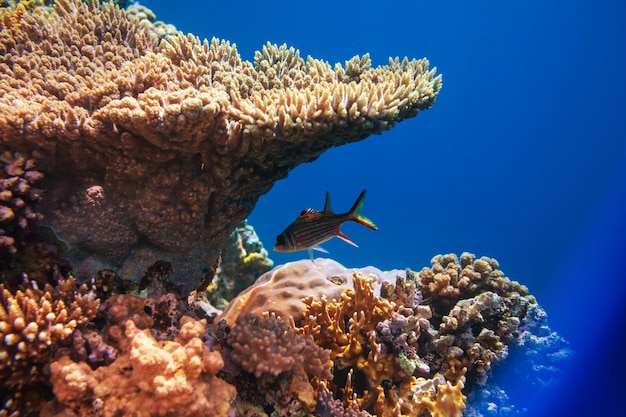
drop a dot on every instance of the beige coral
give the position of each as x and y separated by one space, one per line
281 290
35 322
183 136
151 378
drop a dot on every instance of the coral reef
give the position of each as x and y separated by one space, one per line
243 261
401 343
157 150
149 378
362 342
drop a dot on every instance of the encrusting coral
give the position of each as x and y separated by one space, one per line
157 150
149 378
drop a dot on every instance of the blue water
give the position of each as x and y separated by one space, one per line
522 158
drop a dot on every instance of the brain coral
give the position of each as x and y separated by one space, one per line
157 150
281 290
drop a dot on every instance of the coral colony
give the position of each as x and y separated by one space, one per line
123 144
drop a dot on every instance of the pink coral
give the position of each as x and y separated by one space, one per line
267 345
150 378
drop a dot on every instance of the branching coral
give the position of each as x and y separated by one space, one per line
375 380
181 137
401 343
150 378
34 323
20 247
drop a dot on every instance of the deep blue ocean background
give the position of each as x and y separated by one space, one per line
522 158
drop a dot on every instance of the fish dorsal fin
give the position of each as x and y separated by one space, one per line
327 207
308 212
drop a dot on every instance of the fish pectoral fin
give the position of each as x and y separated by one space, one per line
346 239
320 249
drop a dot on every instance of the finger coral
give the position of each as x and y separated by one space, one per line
158 150
19 193
150 378
34 323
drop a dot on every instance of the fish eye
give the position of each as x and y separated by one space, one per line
280 240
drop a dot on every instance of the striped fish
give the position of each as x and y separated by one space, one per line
313 227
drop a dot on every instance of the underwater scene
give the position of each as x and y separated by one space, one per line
345 209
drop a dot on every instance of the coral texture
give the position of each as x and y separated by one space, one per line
34 323
150 378
280 290
158 150
19 194
267 345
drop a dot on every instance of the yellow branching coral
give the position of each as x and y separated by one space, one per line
181 136
348 327
35 322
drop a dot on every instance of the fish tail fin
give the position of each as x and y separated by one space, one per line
357 217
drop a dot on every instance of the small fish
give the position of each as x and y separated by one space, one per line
313 227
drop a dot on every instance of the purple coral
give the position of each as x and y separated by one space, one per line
327 406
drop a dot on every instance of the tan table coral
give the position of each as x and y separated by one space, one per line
157 150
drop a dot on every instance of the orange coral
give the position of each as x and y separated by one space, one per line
347 328
182 136
150 378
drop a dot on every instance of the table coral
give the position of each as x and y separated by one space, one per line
149 378
182 137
